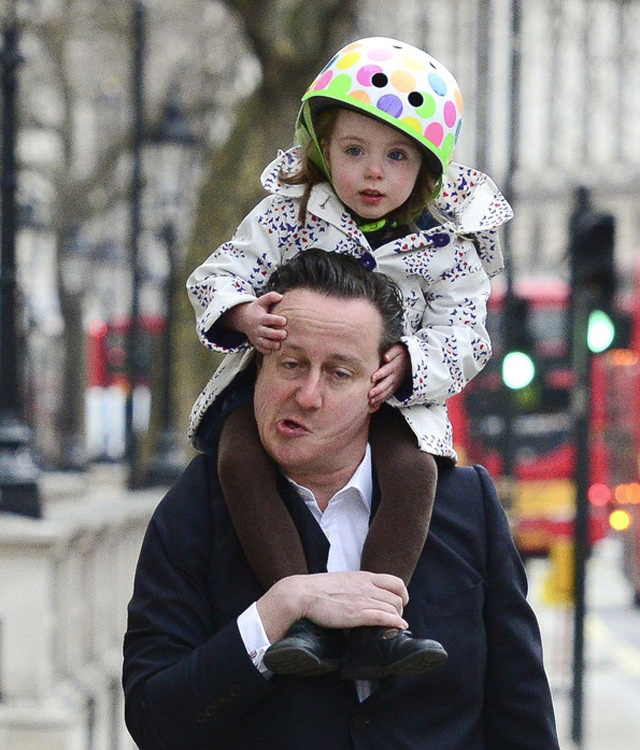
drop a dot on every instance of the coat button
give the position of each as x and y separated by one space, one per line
368 261
440 239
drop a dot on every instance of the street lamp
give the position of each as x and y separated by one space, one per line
133 348
172 146
19 491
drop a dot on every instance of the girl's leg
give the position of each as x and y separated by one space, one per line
407 478
262 522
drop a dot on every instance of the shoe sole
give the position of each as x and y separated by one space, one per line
413 664
295 661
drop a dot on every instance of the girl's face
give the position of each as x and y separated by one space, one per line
373 166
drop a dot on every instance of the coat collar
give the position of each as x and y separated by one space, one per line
469 199
469 204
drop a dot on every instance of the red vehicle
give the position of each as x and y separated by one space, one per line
539 494
107 350
617 432
108 383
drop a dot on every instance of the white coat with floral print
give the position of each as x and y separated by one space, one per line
443 273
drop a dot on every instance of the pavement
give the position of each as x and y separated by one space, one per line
611 689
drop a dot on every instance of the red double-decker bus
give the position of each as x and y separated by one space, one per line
108 383
107 350
617 433
540 490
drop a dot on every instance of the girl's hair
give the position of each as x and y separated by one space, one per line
425 190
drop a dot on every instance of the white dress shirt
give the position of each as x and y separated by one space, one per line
345 522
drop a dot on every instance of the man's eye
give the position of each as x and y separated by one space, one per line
342 374
288 365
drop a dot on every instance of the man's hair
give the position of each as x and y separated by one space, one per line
342 276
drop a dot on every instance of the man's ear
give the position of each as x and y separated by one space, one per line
373 409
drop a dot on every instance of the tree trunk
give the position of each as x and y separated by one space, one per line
71 453
292 41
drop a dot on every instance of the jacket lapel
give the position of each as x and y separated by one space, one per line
315 543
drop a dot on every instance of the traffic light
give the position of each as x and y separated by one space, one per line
591 251
601 331
518 370
592 266
592 257
518 367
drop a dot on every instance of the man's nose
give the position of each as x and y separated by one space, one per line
309 392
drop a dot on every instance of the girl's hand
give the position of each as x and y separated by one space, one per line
263 329
389 376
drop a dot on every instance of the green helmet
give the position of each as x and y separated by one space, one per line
393 82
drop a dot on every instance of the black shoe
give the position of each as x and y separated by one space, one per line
306 650
374 653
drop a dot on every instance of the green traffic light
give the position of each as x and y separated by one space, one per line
600 331
518 370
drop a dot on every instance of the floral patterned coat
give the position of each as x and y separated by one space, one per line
443 273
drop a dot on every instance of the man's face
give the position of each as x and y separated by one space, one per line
311 398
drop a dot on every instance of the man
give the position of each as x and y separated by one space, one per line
199 623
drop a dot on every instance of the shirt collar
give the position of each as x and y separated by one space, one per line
360 486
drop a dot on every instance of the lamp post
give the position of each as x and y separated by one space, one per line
509 433
19 491
133 348
172 144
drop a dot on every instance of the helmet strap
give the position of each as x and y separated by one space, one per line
438 187
308 133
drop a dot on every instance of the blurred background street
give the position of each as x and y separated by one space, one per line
612 671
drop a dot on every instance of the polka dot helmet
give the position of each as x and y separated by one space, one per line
393 82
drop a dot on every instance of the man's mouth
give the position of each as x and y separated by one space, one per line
291 427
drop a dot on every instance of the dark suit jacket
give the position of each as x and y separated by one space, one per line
189 683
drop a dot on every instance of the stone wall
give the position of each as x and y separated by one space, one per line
65 582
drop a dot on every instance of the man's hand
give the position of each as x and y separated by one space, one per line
263 329
334 600
389 376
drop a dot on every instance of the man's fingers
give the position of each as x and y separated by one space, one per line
391 583
378 618
348 599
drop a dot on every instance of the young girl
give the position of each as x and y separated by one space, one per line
372 177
